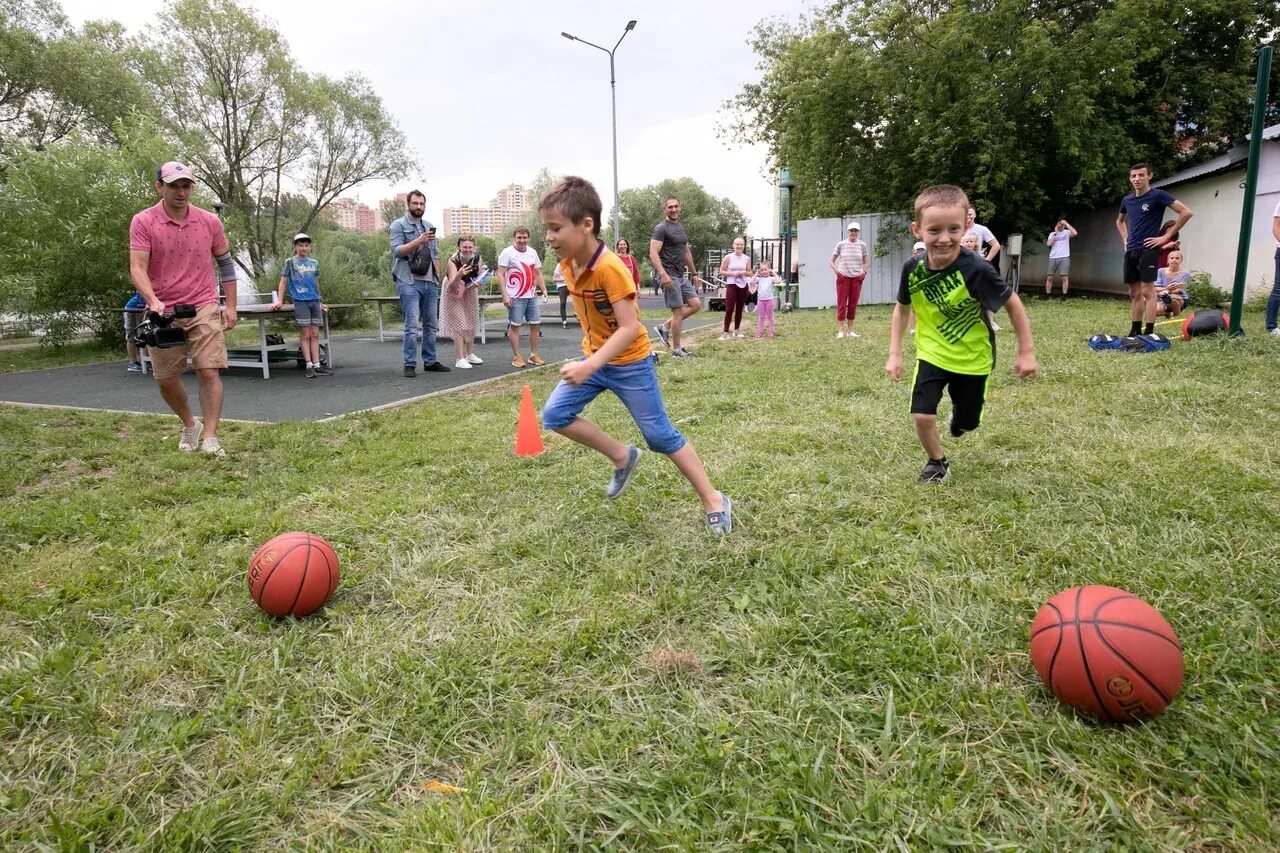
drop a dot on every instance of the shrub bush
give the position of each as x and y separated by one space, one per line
1203 293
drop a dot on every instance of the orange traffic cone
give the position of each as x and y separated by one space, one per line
528 434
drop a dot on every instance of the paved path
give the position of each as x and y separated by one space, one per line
368 375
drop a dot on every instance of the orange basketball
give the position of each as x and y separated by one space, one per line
1107 653
293 574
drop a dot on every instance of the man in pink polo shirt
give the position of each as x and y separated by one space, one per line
173 249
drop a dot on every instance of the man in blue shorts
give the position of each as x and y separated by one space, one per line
1141 213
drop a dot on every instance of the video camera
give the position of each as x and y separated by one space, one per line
157 330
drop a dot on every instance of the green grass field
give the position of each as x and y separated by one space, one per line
848 671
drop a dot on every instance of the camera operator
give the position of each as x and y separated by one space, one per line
174 248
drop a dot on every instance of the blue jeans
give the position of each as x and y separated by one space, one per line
1273 301
636 385
419 300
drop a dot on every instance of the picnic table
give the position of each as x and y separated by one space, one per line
486 299
264 354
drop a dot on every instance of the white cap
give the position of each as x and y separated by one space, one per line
301 236
917 247
853 226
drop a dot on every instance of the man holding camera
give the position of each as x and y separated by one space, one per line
173 250
415 270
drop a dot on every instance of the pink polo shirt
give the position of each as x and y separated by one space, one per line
181 266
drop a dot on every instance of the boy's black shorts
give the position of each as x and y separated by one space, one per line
968 393
1140 265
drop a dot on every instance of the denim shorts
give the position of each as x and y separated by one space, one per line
636 385
680 293
524 310
308 313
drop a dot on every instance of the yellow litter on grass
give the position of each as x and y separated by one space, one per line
442 788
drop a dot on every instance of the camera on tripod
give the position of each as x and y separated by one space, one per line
157 330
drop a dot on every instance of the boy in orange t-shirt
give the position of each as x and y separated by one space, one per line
616 352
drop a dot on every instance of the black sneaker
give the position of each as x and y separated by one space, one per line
311 373
324 370
935 471
410 371
435 367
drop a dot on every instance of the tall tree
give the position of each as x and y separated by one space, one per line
1034 108
257 127
55 79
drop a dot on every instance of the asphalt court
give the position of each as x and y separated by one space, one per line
367 375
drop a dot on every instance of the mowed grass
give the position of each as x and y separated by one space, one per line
848 671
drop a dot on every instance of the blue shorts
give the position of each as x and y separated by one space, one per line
308 313
636 385
524 310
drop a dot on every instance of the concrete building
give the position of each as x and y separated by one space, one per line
1214 190
353 215
496 220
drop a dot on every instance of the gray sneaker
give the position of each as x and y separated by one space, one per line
189 441
721 523
622 476
664 333
311 373
324 370
681 353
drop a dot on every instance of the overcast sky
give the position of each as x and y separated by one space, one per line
487 92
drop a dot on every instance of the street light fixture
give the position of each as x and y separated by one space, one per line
613 85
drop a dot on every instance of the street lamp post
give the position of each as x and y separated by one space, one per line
613 86
790 186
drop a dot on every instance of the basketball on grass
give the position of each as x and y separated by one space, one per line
293 574
1107 653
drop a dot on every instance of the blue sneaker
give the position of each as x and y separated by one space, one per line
134 367
622 476
721 523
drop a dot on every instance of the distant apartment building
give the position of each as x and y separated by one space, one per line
496 220
352 215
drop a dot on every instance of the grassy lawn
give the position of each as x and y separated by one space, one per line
848 671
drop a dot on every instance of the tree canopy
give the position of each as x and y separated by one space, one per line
712 222
1033 108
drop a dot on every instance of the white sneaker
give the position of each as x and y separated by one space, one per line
726 337
190 438
462 364
995 327
475 359
839 335
213 447
739 335
853 335
1275 333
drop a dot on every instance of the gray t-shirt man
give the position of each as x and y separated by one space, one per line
675 240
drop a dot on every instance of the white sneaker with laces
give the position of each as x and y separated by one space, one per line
462 364
839 335
190 438
475 359
213 447
853 335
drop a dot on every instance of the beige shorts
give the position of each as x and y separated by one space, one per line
205 340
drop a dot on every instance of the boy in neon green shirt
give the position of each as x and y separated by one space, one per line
947 290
